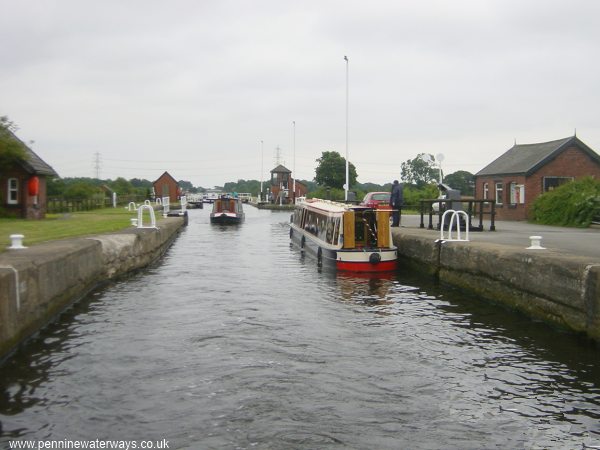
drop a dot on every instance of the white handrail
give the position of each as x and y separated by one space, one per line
140 221
454 218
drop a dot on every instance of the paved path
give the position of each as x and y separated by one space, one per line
557 240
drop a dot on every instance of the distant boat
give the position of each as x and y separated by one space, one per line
227 210
348 237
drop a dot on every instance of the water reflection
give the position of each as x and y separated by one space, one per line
371 289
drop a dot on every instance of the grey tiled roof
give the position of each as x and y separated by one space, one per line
527 158
34 164
280 169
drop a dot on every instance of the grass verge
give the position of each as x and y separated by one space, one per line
62 226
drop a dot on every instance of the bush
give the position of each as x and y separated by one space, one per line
328 194
80 190
413 195
573 204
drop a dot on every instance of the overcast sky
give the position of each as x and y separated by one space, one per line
194 86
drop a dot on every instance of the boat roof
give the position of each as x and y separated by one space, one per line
330 206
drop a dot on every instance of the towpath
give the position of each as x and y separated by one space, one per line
556 240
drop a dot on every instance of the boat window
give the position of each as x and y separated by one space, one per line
371 228
322 228
336 231
298 217
329 230
359 229
310 224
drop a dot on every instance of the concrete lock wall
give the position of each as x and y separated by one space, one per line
53 275
560 290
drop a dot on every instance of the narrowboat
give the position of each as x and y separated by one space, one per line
348 237
227 210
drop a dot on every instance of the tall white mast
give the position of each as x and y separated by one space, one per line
347 163
294 165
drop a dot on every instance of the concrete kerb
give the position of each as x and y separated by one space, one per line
54 275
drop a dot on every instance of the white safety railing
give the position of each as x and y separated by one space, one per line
455 217
140 218
131 207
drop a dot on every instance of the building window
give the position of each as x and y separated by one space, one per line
517 194
486 191
499 191
551 183
13 191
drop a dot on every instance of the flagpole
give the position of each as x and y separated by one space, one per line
347 163
294 168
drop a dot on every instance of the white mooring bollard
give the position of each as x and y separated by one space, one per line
16 241
535 243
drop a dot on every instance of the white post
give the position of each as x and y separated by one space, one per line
262 157
16 242
183 201
536 243
114 199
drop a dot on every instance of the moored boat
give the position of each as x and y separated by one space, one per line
227 210
349 237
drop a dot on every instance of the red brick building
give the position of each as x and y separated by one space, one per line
23 186
167 186
282 186
525 172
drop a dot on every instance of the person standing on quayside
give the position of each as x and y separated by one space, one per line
396 200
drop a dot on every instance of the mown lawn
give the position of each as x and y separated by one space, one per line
61 226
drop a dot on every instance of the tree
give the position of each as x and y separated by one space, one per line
11 148
121 186
419 171
331 171
140 183
462 180
186 186
80 190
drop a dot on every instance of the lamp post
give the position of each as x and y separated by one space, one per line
294 166
262 154
439 158
436 161
347 185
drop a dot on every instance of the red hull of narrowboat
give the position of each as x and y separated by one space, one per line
383 266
